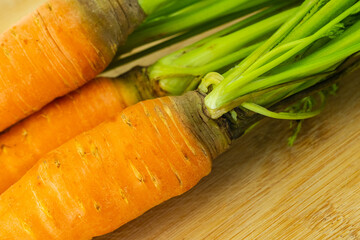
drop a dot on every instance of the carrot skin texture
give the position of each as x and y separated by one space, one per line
24 143
113 173
100 100
56 49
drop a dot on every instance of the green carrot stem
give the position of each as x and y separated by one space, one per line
321 17
282 115
275 38
165 7
119 60
151 6
185 67
301 71
320 61
277 64
189 17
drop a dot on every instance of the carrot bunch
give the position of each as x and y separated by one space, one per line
103 98
160 148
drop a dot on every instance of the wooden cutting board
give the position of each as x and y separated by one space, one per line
261 188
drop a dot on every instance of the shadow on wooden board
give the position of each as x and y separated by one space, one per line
263 189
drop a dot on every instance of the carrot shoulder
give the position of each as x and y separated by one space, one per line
113 173
56 49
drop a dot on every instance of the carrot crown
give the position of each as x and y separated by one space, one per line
307 49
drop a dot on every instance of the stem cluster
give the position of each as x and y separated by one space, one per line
305 50
182 70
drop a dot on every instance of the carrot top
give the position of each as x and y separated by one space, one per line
182 70
307 49
188 17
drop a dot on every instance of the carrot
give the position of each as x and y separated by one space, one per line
98 181
24 143
56 49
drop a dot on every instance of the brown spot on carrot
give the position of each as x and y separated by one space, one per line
97 206
25 133
13 32
57 163
146 111
81 206
123 196
80 150
178 178
94 151
7 53
46 117
3 148
37 21
126 120
49 7
155 181
159 111
137 174
153 178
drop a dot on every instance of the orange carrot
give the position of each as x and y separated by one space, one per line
113 173
98 101
56 49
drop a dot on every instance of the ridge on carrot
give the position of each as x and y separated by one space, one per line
102 99
101 179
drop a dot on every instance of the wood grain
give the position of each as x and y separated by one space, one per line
263 189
